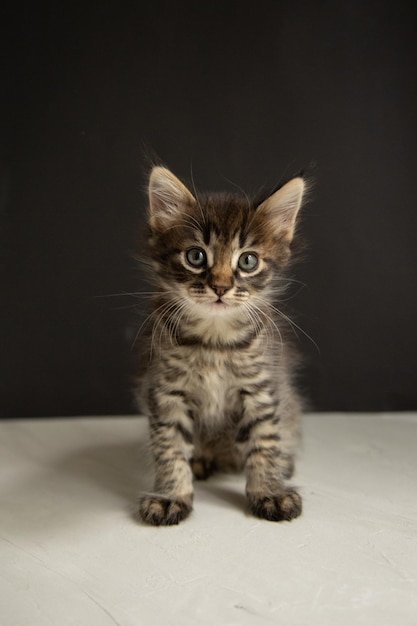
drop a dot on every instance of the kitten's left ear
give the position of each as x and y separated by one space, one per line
281 208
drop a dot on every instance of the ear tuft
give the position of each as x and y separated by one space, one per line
167 196
281 208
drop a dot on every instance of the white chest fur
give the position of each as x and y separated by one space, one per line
212 388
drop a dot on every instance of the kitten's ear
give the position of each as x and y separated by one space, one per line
167 196
281 208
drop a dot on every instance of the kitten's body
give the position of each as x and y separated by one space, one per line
218 387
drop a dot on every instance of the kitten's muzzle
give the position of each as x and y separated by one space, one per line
220 290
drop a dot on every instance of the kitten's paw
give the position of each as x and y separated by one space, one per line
202 468
283 507
163 511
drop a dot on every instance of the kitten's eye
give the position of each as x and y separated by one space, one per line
248 261
196 257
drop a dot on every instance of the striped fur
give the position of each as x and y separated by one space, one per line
218 388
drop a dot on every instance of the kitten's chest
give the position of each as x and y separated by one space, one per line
213 388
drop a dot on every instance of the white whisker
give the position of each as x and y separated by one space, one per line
203 217
291 322
242 191
269 318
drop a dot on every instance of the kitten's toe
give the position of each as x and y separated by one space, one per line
163 511
202 468
282 507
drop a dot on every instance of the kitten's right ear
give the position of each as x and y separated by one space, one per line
167 197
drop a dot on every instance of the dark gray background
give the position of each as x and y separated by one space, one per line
243 92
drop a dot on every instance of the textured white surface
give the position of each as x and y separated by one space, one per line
72 553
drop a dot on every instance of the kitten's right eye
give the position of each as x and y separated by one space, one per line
196 257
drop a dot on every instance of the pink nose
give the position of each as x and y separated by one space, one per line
220 290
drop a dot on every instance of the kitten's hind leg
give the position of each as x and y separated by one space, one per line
215 454
202 467
203 463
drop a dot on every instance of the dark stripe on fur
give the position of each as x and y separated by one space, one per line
184 432
245 431
177 392
222 347
269 454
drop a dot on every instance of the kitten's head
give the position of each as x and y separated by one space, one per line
217 252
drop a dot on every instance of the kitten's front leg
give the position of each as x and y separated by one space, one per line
171 442
267 462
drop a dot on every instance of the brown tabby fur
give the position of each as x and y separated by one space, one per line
218 388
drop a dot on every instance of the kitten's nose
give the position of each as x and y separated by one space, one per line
220 290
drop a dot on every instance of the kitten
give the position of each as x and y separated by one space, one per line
218 388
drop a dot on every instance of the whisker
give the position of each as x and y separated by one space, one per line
161 322
269 319
132 294
291 322
261 330
147 320
203 217
242 191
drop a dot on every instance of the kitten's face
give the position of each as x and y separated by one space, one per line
217 252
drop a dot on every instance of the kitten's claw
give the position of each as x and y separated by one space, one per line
163 511
283 507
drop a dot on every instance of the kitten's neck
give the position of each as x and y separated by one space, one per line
220 330
226 330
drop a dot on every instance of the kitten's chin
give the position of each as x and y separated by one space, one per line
218 307
204 305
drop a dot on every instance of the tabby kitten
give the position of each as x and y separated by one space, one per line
218 387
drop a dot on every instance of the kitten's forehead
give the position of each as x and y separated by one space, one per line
223 216
222 246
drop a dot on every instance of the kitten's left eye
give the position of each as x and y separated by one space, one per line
196 257
248 261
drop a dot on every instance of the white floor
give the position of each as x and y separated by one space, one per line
71 552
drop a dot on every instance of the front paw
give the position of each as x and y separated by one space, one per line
164 511
283 507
